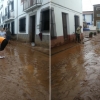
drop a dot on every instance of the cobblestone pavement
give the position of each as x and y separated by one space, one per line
76 72
24 74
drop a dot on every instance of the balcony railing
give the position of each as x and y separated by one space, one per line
27 4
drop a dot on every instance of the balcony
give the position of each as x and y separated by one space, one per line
29 5
9 16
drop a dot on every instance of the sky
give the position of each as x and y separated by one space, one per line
87 5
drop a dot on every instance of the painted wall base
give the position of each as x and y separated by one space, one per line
45 40
38 42
60 40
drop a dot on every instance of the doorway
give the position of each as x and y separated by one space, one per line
9 26
76 19
12 28
32 28
64 20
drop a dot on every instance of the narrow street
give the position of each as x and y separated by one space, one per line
76 72
24 74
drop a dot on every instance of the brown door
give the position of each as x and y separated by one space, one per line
64 20
32 28
76 18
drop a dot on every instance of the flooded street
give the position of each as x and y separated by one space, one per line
76 72
24 74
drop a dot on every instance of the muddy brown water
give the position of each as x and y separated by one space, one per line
24 74
76 72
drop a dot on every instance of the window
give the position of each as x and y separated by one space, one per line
98 8
98 24
5 11
22 1
0 18
12 5
22 25
92 16
98 15
83 17
45 20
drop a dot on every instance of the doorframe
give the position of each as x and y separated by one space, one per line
29 28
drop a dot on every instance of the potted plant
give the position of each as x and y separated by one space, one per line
98 31
90 34
95 33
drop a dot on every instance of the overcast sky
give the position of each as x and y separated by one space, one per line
88 4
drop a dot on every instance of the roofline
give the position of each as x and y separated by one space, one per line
96 5
87 11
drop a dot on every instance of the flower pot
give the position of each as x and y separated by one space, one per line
33 44
90 35
95 33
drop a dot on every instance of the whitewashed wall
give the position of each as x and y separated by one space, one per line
71 4
58 19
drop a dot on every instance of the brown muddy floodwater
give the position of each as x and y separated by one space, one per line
24 74
76 72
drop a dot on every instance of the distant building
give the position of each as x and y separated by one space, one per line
97 15
88 17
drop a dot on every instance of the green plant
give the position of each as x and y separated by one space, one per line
94 33
98 31
90 34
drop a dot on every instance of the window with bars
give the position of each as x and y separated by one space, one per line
45 20
12 5
22 25
98 8
22 1
5 11
98 15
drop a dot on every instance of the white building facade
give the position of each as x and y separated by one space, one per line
66 16
25 19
